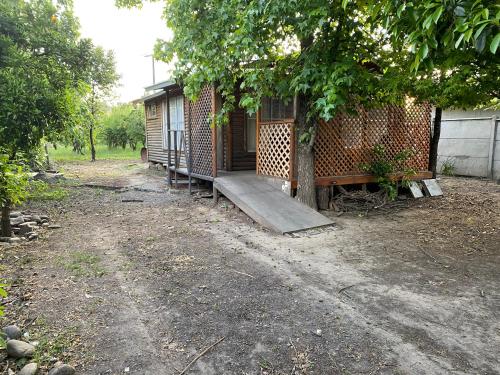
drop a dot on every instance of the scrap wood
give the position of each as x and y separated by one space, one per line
200 355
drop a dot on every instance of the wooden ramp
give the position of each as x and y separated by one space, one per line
262 200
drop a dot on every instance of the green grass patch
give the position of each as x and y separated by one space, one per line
65 154
42 191
83 264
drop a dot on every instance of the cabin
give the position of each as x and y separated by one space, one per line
255 152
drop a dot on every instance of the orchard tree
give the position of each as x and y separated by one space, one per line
322 56
443 52
101 77
39 72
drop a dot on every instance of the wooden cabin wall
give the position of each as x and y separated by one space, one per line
156 153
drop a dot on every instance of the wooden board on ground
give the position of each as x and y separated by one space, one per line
265 203
415 190
432 188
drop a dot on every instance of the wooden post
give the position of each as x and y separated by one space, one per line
323 194
229 156
292 151
169 146
257 140
214 135
491 154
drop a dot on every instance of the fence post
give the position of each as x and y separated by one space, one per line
491 154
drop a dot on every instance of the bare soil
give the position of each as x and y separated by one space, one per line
142 287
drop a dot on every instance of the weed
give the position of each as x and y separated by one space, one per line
41 191
383 168
448 167
83 264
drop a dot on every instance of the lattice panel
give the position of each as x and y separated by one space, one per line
347 141
274 149
197 115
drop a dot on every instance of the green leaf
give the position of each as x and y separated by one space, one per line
437 14
423 51
457 43
344 3
494 43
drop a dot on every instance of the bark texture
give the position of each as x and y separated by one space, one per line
433 151
6 227
92 146
306 187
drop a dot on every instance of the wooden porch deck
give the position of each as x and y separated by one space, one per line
262 200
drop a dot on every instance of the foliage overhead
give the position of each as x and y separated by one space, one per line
445 52
255 46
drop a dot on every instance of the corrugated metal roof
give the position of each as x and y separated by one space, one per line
161 85
149 97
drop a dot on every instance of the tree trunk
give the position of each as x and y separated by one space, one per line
92 146
6 227
306 186
433 152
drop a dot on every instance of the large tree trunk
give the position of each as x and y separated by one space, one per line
6 227
433 152
92 146
306 187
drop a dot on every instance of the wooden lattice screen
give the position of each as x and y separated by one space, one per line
347 141
274 149
197 117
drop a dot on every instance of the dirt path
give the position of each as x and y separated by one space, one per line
142 287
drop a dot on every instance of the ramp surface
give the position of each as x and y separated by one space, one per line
264 202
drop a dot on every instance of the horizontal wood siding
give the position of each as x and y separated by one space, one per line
154 134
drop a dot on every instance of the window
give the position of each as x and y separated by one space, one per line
151 111
176 121
250 132
275 109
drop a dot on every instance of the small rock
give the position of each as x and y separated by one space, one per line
12 332
54 226
28 218
44 217
29 369
25 228
19 349
318 333
36 218
15 214
16 221
62 370
4 239
33 236
45 224
15 240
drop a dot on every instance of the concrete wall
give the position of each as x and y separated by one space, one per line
470 141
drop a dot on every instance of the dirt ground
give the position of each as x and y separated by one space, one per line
143 287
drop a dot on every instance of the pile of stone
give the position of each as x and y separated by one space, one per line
24 226
17 349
